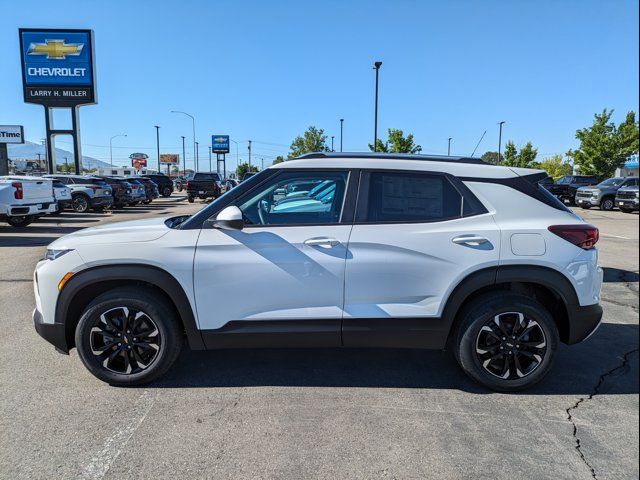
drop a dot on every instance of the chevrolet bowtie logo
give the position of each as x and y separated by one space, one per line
56 49
220 139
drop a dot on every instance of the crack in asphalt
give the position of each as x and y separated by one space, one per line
596 390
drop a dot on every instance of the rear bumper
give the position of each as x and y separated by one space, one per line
583 321
54 333
101 201
31 209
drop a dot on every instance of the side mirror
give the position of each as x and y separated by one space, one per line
229 218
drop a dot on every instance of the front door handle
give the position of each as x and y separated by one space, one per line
324 242
470 240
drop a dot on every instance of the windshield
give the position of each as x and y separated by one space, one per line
564 180
611 182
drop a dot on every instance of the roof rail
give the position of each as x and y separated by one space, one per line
393 156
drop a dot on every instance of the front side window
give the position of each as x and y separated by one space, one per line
296 198
412 197
611 182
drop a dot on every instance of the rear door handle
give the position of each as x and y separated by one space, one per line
470 240
324 242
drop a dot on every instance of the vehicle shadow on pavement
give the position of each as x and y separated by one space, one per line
612 275
576 371
26 240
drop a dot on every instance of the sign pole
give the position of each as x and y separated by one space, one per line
4 159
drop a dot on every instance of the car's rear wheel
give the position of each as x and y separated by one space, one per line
128 338
80 203
166 191
506 342
190 199
607 204
21 220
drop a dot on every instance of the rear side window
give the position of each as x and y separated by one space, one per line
412 197
207 176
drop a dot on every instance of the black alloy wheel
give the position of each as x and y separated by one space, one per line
80 203
607 204
511 346
125 340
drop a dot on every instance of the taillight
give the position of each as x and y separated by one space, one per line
583 236
19 193
187 185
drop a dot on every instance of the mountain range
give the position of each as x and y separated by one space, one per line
30 150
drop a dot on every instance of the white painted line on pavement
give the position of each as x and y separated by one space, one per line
614 236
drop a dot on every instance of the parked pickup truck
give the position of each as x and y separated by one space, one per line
565 188
627 199
23 199
603 195
203 185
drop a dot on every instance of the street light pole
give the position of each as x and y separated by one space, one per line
332 137
111 147
376 67
249 147
500 142
197 156
237 153
210 160
184 158
193 125
341 124
158 145
449 148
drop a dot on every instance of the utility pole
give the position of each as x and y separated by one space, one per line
66 164
209 158
376 67
262 163
332 137
197 155
249 147
158 146
500 142
341 124
449 148
184 159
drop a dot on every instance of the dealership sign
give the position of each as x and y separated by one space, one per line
11 134
220 143
57 67
170 158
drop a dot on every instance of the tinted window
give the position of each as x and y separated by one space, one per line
273 204
206 176
564 180
611 182
412 197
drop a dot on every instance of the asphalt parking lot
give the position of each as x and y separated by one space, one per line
316 413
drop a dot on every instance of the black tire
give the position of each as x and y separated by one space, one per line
607 203
98 209
190 199
20 221
533 324
626 210
585 207
80 203
166 191
122 351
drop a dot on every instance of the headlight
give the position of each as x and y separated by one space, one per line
637 194
52 254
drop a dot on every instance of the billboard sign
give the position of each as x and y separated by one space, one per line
57 67
139 160
220 143
169 158
11 134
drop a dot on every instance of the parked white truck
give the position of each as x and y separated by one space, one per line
23 199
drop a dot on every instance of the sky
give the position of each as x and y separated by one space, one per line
266 70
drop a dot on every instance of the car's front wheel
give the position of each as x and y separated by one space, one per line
166 192
626 210
128 338
506 342
80 203
607 204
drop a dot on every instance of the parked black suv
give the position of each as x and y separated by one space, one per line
120 189
565 187
165 184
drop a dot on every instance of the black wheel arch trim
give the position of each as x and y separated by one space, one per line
127 272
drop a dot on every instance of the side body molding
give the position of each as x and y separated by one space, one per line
129 272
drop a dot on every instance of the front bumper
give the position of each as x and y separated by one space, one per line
54 333
588 201
627 203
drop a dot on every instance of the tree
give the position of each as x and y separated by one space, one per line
491 157
556 167
525 158
245 168
603 146
397 143
279 159
510 154
313 140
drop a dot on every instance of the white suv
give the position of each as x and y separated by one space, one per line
330 250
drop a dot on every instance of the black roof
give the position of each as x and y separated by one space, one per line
390 156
